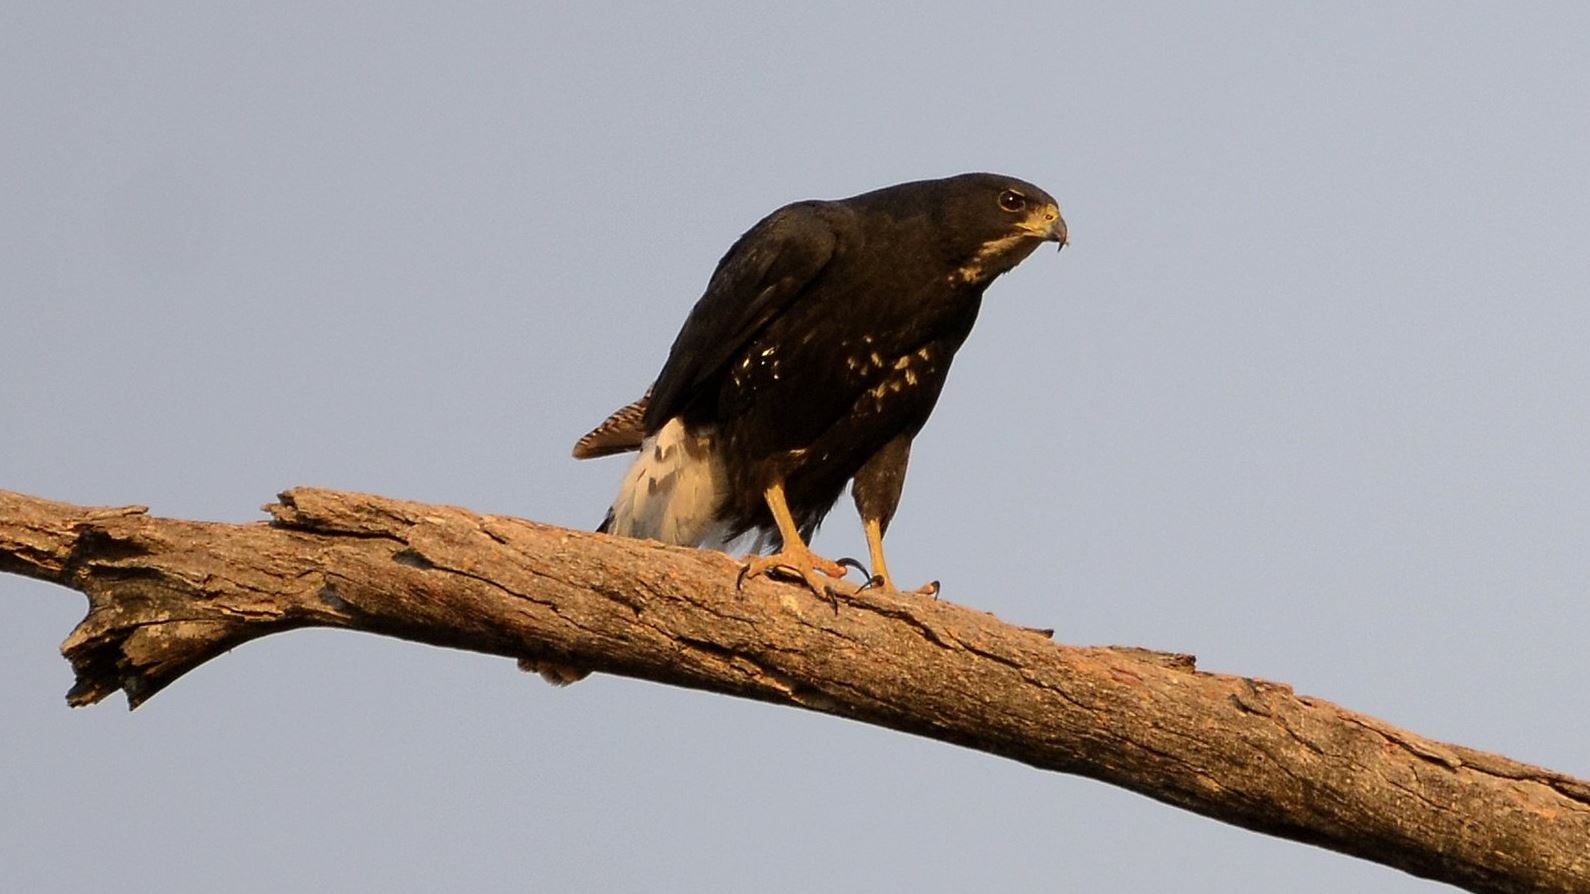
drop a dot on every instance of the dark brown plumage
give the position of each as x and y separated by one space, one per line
814 357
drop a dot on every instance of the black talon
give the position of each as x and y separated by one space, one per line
935 585
875 581
852 563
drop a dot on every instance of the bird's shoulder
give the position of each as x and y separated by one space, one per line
765 271
798 236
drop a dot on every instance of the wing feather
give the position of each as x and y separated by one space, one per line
762 274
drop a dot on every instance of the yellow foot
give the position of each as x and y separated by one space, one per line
882 582
815 570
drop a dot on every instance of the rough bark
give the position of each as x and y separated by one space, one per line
165 595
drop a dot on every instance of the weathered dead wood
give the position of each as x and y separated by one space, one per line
166 595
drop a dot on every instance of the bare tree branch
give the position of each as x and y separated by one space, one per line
166 595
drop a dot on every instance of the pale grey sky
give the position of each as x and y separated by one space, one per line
1306 397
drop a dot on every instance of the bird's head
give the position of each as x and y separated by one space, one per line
994 222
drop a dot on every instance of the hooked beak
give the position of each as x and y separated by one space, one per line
1057 232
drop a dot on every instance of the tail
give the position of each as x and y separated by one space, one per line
620 432
673 490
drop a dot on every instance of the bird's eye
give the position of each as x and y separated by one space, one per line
1010 200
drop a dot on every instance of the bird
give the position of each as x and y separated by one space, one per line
811 361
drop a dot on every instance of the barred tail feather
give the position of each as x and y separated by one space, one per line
673 490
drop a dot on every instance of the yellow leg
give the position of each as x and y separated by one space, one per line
880 569
787 529
795 554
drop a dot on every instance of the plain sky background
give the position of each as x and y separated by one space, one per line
1307 396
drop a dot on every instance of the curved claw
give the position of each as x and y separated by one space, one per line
882 583
848 562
